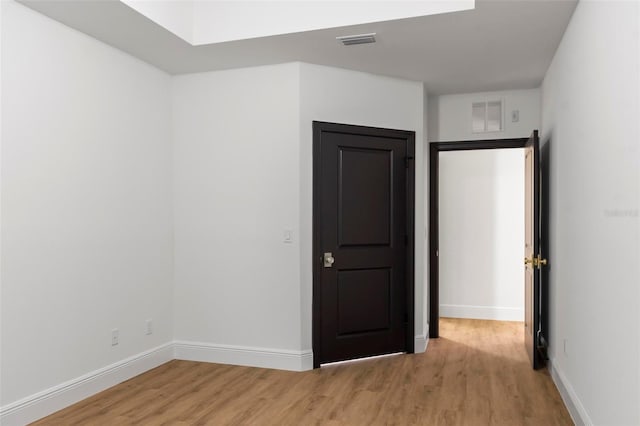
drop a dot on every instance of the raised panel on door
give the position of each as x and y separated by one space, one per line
365 197
355 317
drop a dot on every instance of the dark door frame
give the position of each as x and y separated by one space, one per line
317 261
434 238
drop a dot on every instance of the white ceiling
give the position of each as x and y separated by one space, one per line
499 45
206 22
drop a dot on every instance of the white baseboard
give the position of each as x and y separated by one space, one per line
243 355
50 400
421 341
571 401
482 312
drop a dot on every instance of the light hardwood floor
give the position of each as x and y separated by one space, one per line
476 373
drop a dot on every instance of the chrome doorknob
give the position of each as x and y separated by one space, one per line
328 260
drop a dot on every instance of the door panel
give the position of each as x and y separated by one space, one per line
545 152
364 184
357 317
532 250
361 218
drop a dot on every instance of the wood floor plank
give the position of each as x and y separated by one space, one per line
477 373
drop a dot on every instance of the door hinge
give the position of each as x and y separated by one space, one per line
406 161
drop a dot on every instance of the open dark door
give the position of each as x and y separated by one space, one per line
533 260
363 242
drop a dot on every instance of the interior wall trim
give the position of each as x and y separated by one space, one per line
421 341
498 313
575 407
56 398
243 355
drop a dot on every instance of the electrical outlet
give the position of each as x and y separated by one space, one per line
149 327
114 337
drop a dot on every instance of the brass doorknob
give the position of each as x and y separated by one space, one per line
540 261
536 262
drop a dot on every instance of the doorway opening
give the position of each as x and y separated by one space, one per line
476 271
481 212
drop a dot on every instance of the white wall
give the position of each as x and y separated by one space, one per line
482 234
341 96
450 115
242 170
424 257
236 189
86 216
590 125
1 174
1 133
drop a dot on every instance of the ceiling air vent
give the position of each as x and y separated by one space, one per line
357 39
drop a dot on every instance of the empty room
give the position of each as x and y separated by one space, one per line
319 212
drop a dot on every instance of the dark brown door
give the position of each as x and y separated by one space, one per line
363 288
533 260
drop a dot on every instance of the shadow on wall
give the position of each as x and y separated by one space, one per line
433 120
545 243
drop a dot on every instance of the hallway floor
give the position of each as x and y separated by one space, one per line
476 373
